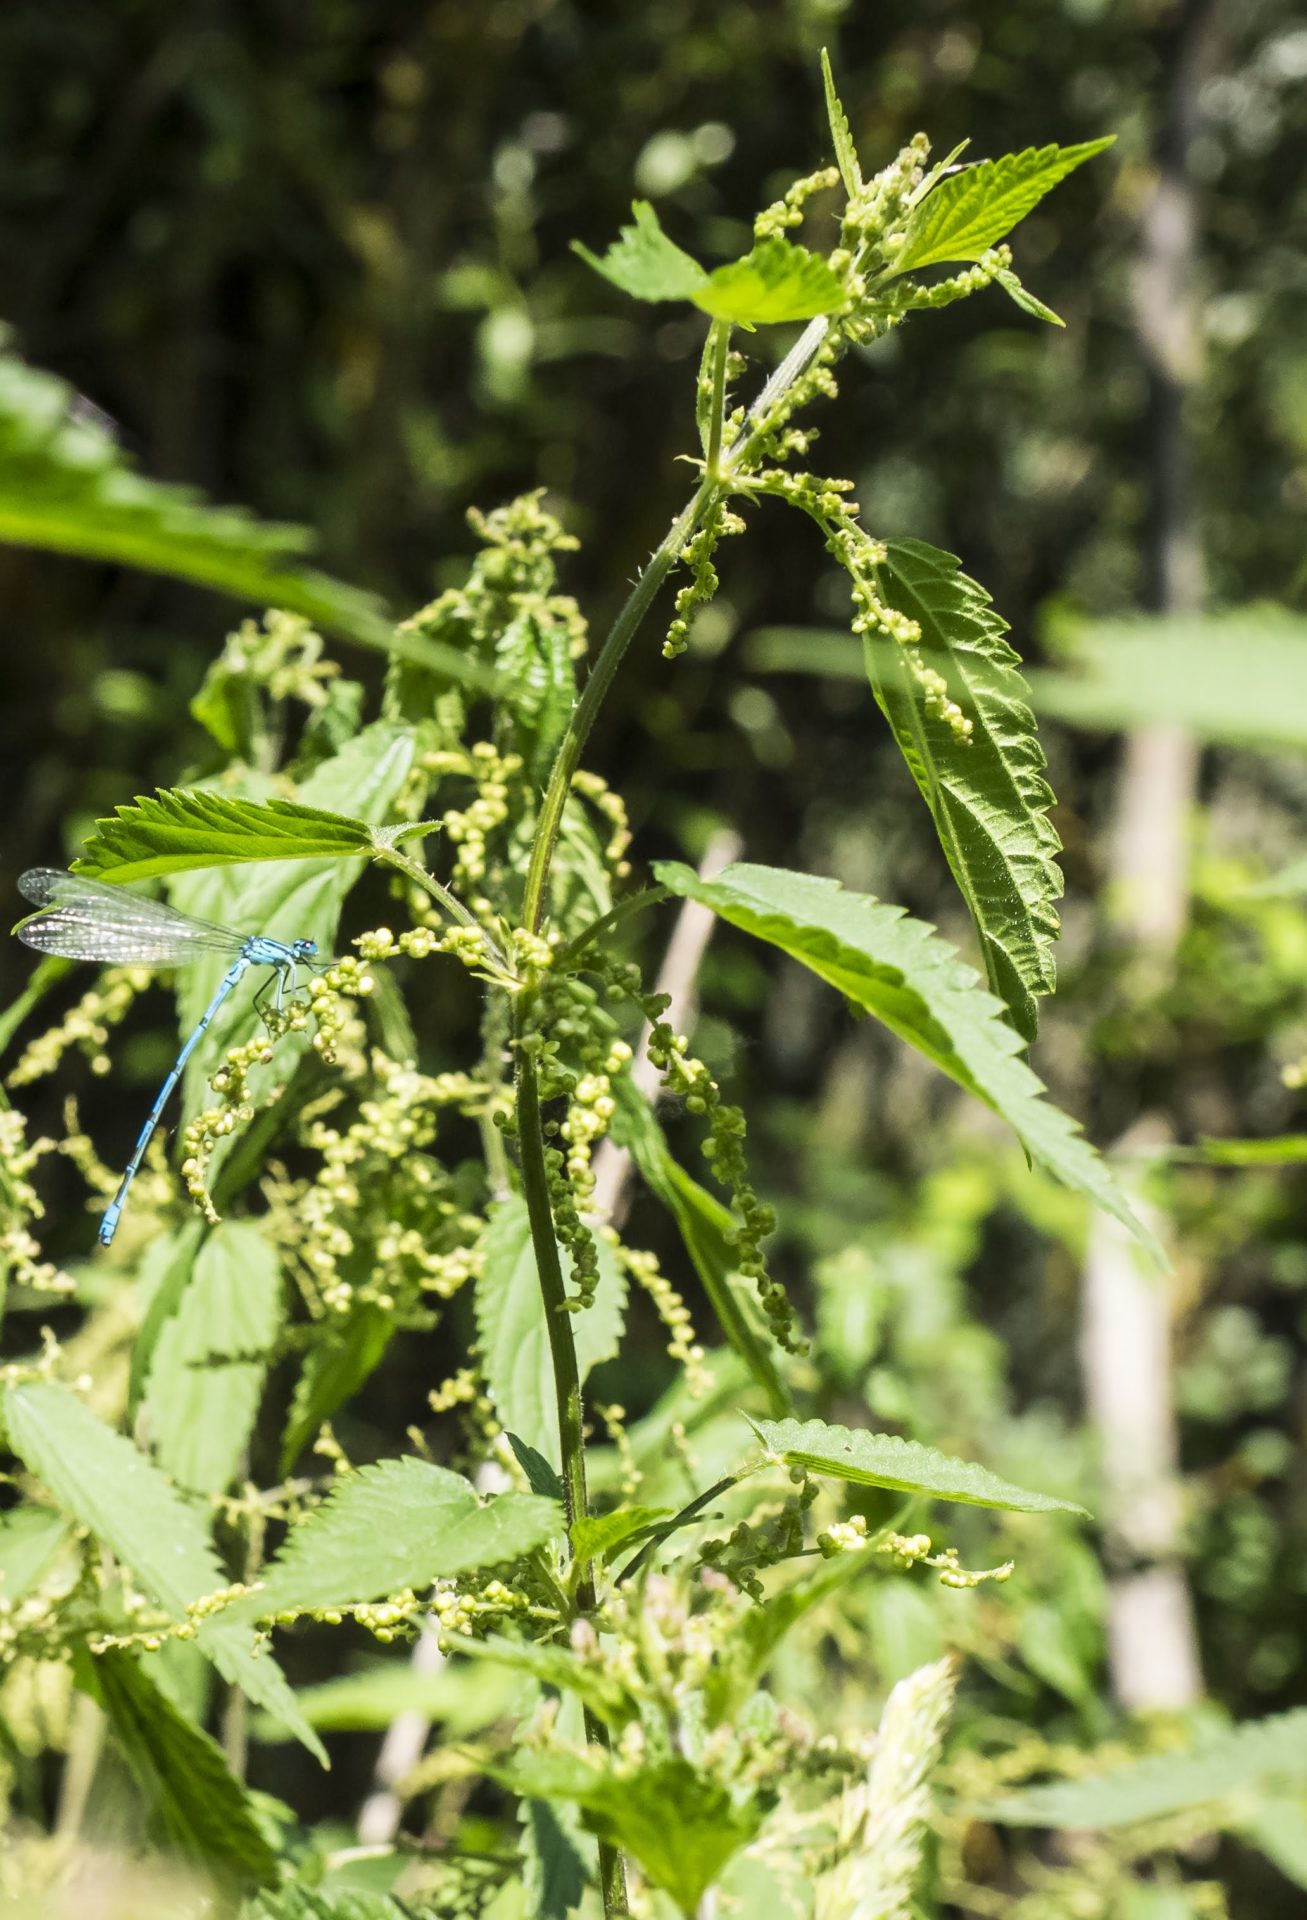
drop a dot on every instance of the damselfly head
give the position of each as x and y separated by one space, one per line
304 949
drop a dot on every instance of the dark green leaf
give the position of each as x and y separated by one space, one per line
1025 299
987 793
540 1476
342 1359
971 211
595 1537
201 1808
901 971
645 263
887 1460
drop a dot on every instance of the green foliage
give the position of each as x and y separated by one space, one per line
211 1358
105 1484
597 1537
174 832
846 153
514 1339
403 1523
775 281
200 1807
900 970
30 1538
675 1820
1254 1757
66 485
887 1460
1224 676
972 210
986 791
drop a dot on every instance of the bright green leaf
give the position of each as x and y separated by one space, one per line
173 831
645 263
900 970
775 281
1286 1150
970 211
30 1538
202 1809
342 1357
887 1460
987 793
511 1329
595 1536
1225 676
1260 1754
108 1486
212 1355
463 1698
1025 299
846 154
403 1523
1279 1828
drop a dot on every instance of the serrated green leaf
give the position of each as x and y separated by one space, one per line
108 1486
211 1358
336 1367
1261 1754
201 1808
595 1536
66 486
971 211
293 899
403 1523
987 793
465 1699
30 1538
1279 1828
900 970
541 1477
512 1335
706 1227
887 1460
679 1823
162 1275
1025 299
775 281
533 656
175 830
644 262
1223 676
846 154
554 1874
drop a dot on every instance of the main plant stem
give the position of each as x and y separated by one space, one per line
530 1126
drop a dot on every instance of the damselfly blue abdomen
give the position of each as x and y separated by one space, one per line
82 919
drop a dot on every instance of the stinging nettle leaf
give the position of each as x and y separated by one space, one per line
512 1334
1025 299
403 1523
1260 1754
775 281
178 829
644 262
900 970
987 793
971 211
108 1486
203 1810
887 1460
846 154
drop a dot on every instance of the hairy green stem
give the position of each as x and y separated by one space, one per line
721 350
567 1381
624 910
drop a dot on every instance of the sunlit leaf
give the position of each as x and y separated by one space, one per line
887 1460
900 970
972 210
644 262
774 282
173 831
846 154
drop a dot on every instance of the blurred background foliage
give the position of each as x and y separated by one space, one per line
313 258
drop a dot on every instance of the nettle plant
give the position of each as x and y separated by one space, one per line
615 1590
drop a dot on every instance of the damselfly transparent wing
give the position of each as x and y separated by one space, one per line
85 920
